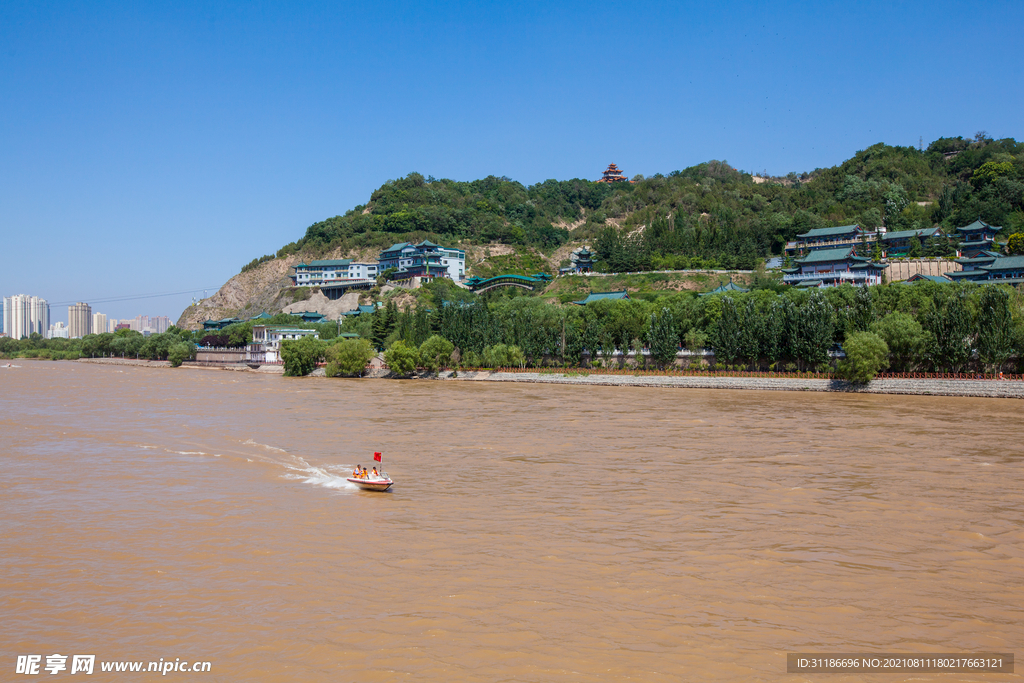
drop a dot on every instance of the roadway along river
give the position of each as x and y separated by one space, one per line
535 533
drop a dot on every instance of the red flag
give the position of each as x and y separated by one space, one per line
376 456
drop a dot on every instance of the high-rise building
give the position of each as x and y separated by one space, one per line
99 323
159 324
24 315
111 324
79 320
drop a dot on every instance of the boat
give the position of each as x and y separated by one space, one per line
372 481
380 483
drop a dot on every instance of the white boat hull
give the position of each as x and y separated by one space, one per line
371 484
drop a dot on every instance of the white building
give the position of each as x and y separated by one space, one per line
99 323
111 324
80 320
424 259
266 342
332 271
57 331
24 315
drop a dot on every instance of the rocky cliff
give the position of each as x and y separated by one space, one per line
265 288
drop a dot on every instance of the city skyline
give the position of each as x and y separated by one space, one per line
159 148
27 314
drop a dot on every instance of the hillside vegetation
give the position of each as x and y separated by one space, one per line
706 216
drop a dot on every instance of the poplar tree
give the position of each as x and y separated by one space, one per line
726 339
951 327
663 338
815 330
995 327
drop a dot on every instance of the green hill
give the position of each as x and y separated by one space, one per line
709 215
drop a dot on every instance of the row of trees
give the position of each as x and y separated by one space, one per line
174 345
925 327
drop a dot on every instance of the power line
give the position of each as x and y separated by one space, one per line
108 300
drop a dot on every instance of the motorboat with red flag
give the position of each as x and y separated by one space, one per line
376 480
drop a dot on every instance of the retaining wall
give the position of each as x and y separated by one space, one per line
925 387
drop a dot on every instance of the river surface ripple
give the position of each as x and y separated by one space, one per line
535 533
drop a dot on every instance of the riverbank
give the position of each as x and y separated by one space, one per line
918 387
921 387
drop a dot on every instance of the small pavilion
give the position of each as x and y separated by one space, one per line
612 174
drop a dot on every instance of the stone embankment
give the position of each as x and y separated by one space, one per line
924 387
127 361
921 387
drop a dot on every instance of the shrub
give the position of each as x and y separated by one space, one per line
301 356
401 358
866 354
435 352
348 357
179 353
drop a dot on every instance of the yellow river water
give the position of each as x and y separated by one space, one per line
534 533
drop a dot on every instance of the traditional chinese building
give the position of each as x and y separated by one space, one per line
612 174
582 260
331 271
830 238
991 266
833 267
977 237
898 243
425 259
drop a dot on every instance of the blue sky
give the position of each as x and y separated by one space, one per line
148 148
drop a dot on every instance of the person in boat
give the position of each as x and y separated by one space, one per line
375 474
365 474
357 471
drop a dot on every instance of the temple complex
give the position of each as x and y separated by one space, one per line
613 175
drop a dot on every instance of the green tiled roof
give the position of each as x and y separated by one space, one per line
906 234
598 296
810 283
1006 263
326 262
398 245
838 254
979 225
723 289
920 277
829 232
979 258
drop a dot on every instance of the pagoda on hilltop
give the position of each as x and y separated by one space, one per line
612 175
